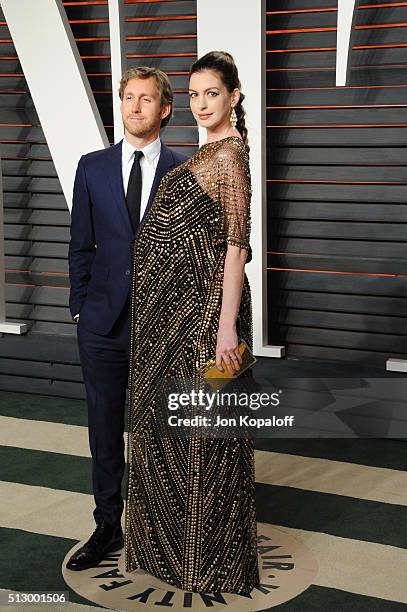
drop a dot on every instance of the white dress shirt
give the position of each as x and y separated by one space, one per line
148 165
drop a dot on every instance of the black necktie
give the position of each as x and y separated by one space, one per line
133 195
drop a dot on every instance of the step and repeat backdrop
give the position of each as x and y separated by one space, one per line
336 181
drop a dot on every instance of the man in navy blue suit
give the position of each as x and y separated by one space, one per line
113 192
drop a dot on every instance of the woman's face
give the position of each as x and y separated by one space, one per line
210 100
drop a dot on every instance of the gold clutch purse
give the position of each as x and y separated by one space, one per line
217 379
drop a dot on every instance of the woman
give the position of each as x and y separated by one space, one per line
190 513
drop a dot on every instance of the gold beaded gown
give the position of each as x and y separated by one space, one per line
190 510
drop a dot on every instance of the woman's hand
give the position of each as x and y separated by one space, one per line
227 348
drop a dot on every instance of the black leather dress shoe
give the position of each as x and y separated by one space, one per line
106 538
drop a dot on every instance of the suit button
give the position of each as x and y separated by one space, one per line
127 272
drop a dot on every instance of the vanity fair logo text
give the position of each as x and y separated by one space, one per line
286 565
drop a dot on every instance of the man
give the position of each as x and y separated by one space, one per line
113 192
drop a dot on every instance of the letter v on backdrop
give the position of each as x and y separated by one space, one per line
58 83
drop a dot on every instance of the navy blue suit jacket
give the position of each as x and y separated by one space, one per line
101 244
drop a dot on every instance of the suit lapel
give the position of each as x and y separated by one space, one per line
114 171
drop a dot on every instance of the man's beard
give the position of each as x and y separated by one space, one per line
138 129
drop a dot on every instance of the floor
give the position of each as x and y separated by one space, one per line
335 510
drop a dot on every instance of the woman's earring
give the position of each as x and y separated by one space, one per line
233 118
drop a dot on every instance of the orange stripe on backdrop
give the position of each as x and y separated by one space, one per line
298 254
338 106
25 158
41 142
77 21
301 30
333 182
38 272
332 87
35 285
302 49
89 2
21 159
333 28
93 39
134 55
387 46
161 37
308 10
336 272
334 9
384 5
163 18
381 25
332 68
347 125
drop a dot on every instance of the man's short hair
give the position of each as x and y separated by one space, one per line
161 79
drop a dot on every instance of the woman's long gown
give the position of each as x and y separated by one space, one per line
190 512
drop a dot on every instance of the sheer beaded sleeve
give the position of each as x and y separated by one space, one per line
234 192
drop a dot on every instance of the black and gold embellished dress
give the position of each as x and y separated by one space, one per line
190 511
